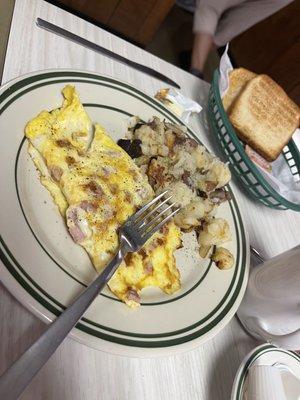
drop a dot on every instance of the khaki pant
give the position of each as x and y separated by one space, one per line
225 19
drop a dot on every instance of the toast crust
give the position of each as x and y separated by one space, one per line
238 79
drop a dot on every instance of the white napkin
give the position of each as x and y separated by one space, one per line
265 383
280 178
224 68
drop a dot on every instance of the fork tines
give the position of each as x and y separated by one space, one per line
154 214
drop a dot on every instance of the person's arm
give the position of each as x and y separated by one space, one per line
206 17
201 48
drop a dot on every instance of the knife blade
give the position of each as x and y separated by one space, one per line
102 50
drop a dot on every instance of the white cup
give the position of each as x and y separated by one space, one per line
270 309
265 383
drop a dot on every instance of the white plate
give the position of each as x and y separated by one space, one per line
268 354
45 270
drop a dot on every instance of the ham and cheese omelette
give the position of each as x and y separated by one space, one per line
96 187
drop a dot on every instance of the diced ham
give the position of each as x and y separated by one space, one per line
76 233
71 215
148 268
95 189
88 206
55 172
132 294
73 225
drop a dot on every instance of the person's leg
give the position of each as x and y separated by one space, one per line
242 16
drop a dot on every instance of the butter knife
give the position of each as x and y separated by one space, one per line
99 49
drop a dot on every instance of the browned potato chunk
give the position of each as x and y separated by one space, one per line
223 258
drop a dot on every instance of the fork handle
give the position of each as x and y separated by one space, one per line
19 375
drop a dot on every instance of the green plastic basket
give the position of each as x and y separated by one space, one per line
240 164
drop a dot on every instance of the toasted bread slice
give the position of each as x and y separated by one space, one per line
238 78
265 117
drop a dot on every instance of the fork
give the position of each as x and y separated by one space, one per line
132 236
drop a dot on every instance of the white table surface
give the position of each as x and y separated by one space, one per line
76 371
